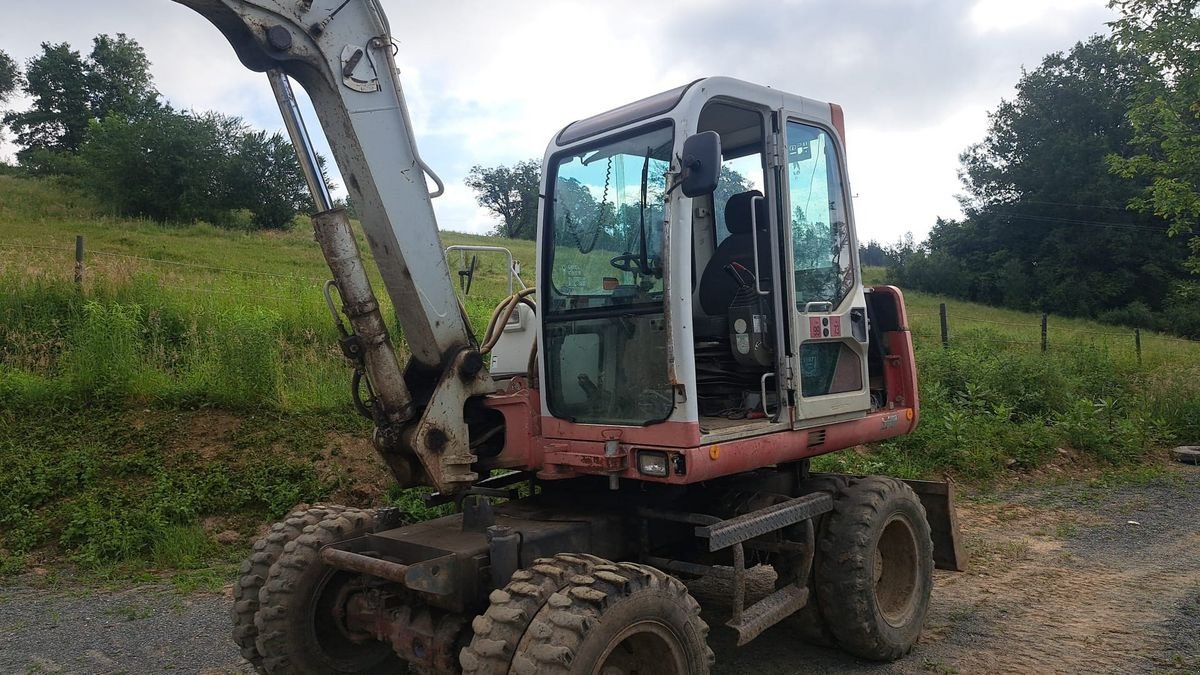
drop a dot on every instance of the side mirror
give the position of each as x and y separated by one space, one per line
701 164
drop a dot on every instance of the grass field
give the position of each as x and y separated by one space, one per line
193 390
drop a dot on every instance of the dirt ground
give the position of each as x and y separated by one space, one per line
1070 579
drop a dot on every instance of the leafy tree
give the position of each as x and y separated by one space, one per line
56 79
1166 118
511 193
69 92
165 166
872 254
10 76
729 183
1046 222
118 78
177 166
265 177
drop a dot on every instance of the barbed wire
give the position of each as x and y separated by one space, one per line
214 268
254 295
1055 328
1147 335
230 270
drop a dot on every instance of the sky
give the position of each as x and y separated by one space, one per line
491 82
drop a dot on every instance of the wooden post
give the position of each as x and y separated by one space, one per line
1137 343
945 326
1044 315
79 260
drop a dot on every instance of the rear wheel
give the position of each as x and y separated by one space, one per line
257 567
874 570
298 628
619 618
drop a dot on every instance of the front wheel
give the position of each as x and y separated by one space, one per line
297 620
618 618
874 568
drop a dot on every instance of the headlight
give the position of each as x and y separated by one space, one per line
652 463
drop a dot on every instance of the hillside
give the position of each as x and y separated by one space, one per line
193 390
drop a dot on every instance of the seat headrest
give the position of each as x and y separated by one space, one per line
737 212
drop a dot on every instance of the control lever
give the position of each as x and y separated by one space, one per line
736 269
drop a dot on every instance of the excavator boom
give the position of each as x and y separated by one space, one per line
341 52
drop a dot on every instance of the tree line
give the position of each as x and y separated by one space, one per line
98 122
1082 198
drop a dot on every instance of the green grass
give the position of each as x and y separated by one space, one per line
103 386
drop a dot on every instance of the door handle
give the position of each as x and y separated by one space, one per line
754 243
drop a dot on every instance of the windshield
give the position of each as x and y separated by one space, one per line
605 331
606 219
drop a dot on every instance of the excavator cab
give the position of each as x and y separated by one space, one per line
729 313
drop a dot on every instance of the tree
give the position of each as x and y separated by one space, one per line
177 166
729 183
56 79
1165 151
872 254
511 193
265 177
10 76
69 92
118 78
1046 222
165 166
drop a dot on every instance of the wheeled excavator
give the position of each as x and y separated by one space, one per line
642 416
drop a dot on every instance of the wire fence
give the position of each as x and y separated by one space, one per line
159 261
1136 336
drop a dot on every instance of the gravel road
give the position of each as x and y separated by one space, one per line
1062 579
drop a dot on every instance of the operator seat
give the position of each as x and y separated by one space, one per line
718 287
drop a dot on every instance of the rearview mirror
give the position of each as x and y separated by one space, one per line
701 163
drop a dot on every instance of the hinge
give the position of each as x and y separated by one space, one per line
775 152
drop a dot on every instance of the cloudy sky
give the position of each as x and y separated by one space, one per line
491 81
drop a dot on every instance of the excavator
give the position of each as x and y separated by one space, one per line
642 416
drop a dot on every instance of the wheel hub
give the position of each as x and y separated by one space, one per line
896 571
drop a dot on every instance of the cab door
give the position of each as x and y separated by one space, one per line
828 359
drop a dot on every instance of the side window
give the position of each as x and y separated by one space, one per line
737 175
821 253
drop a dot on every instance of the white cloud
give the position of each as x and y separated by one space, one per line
1039 15
491 82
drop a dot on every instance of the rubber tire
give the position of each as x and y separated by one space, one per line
287 638
255 569
845 569
498 630
573 629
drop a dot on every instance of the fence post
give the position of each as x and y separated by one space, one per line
79 260
1137 343
945 326
1044 315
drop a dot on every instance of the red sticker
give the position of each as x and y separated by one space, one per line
814 327
835 326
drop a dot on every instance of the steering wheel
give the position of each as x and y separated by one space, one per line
627 262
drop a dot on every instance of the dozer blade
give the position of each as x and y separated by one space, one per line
938 499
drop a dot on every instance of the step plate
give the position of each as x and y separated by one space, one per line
769 611
760 522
